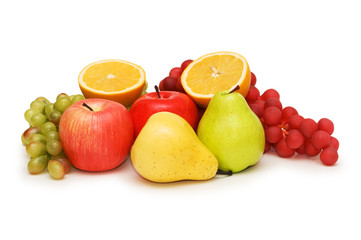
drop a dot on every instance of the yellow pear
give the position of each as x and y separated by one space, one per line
167 150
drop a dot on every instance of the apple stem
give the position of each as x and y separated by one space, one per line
87 106
221 172
157 90
234 89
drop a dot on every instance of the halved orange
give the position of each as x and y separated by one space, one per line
112 79
215 72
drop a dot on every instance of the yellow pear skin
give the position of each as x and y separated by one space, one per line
167 150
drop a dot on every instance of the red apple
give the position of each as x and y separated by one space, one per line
167 101
96 134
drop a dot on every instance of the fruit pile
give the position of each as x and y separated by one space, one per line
287 131
207 118
42 139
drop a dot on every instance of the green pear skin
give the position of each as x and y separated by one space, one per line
232 132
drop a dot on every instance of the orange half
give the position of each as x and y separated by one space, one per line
112 79
215 72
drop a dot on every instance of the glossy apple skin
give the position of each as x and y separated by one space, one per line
174 102
97 140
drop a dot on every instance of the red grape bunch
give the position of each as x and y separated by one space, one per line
173 81
288 132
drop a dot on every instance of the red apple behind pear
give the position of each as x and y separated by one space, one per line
163 101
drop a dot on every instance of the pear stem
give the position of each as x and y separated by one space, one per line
221 172
157 90
234 89
88 107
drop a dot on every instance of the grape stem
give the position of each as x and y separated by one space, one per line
234 89
221 172
157 90
87 106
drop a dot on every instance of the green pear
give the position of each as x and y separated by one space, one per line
231 130
167 150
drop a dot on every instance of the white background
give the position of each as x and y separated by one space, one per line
309 51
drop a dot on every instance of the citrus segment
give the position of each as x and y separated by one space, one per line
112 79
214 72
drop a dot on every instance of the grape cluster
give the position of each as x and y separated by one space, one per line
288 132
173 81
42 137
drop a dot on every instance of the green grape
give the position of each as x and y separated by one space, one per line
37 137
62 104
145 86
62 95
35 149
43 99
54 147
37 120
49 108
56 169
48 126
23 140
64 161
77 98
25 137
28 114
38 164
52 135
38 106
54 117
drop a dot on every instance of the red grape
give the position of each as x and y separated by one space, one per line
179 86
308 127
256 109
320 139
272 115
161 86
295 121
301 150
267 147
175 72
273 102
253 79
334 143
170 84
288 112
326 125
310 150
253 94
294 139
185 64
273 134
329 156
270 93
283 149
260 103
